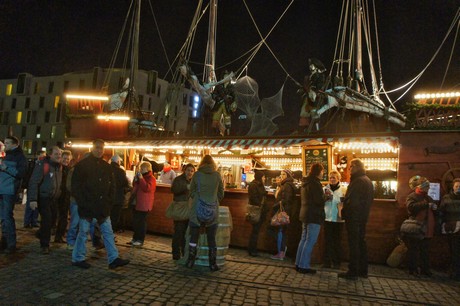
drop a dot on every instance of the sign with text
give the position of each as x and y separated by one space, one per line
317 154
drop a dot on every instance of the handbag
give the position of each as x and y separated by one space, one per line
178 210
253 213
205 212
280 218
412 229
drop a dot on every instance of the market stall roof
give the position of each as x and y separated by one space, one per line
238 143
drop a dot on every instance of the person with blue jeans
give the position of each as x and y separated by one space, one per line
73 228
285 197
93 186
13 168
312 216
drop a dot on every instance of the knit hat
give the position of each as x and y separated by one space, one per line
418 181
288 172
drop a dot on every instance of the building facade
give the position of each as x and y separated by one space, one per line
35 109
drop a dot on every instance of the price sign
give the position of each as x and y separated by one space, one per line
317 154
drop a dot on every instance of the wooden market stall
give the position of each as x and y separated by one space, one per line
238 157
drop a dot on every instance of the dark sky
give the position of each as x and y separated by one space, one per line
54 37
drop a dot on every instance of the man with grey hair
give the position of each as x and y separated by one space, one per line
355 212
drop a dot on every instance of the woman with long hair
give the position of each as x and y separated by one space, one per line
206 187
285 197
312 216
181 189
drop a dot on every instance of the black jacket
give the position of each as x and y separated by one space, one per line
358 199
93 187
256 192
286 195
121 184
45 183
179 188
312 200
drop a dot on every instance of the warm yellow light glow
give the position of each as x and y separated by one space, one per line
366 148
9 89
88 97
18 117
109 117
437 95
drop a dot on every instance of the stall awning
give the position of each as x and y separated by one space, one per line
242 143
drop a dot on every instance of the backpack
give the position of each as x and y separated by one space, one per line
30 170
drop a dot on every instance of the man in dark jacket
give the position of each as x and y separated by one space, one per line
44 191
355 212
12 169
93 187
63 203
122 185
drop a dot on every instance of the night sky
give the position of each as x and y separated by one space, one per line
55 37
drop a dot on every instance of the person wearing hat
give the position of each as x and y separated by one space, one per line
122 187
286 198
421 207
257 195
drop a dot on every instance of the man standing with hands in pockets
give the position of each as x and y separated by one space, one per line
93 186
355 212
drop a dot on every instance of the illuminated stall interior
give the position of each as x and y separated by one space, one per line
238 158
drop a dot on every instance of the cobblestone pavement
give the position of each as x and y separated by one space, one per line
153 278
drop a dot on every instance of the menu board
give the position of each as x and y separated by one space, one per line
317 154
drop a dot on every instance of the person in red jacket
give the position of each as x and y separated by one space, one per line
144 186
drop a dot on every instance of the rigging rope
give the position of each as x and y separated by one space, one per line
263 39
451 53
412 82
159 34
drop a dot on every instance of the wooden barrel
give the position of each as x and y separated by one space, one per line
224 230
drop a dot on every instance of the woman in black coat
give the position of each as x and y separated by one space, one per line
285 197
257 194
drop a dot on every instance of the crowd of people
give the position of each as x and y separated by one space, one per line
92 192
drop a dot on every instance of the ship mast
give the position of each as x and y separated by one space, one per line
209 75
134 56
358 71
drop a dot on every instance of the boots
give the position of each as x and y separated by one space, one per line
191 257
212 259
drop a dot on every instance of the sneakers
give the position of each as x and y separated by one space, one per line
279 256
137 243
81 264
70 247
118 263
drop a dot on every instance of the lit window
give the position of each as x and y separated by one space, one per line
18 117
53 132
56 101
9 89
197 99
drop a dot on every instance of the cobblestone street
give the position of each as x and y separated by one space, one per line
152 277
